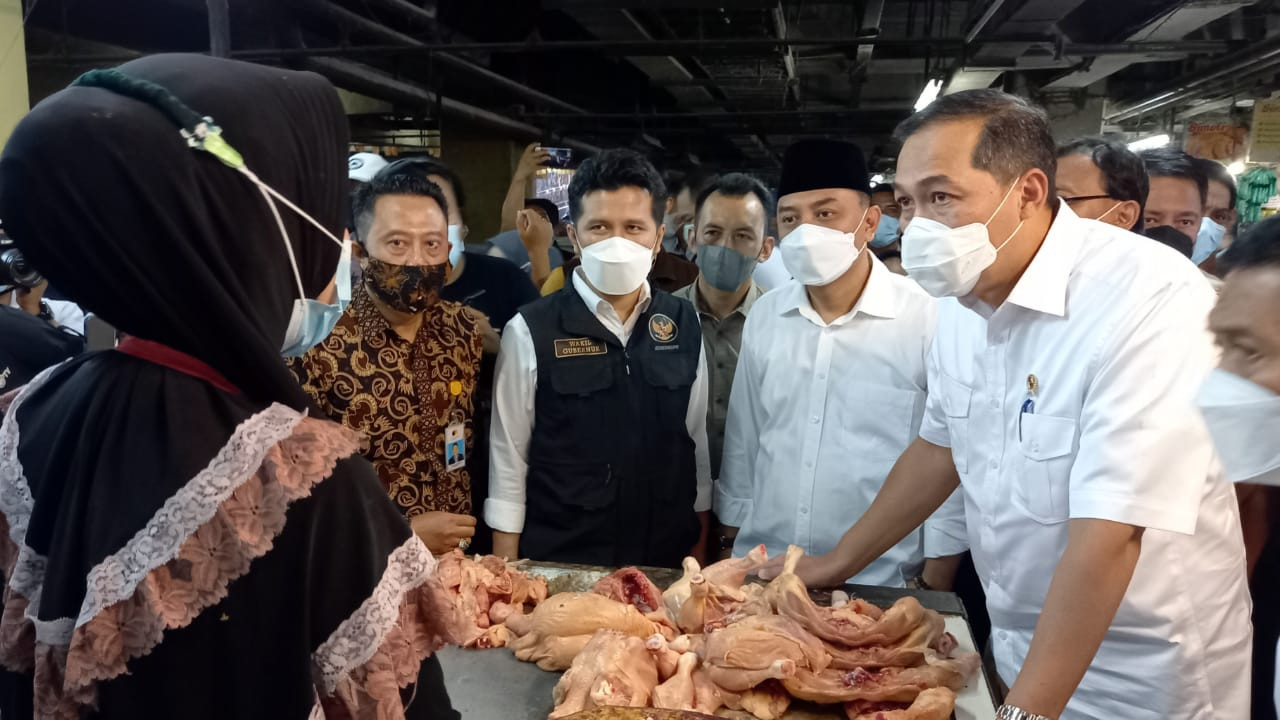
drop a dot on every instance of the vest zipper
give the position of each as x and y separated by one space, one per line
608 473
627 356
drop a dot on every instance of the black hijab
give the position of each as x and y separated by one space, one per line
165 242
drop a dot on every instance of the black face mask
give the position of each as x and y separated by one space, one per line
1176 239
405 288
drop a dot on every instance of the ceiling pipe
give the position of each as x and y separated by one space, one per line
1250 61
219 28
992 8
347 20
407 11
367 80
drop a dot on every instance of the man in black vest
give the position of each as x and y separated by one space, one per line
598 445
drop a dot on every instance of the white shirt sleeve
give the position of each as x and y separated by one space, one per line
933 428
945 532
741 438
696 422
514 388
1144 454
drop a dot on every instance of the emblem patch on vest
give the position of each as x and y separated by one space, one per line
573 347
662 328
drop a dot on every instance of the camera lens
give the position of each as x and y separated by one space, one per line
15 270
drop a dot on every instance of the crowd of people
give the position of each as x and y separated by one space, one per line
999 366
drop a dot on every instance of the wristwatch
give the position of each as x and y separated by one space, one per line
1009 712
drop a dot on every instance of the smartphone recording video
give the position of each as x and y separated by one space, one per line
558 157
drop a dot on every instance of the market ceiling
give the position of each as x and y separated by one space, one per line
730 82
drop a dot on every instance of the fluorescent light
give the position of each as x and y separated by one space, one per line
1149 143
928 94
877 178
1236 168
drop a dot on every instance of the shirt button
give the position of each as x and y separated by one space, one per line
814 419
995 464
822 376
995 403
808 464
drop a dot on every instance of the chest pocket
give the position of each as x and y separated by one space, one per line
581 376
1048 450
956 398
670 371
881 417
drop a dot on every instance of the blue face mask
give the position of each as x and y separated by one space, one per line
724 268
456 245
313 321
886 232
1208 240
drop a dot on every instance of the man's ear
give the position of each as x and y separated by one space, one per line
766 249
657 245
572 231
1128 213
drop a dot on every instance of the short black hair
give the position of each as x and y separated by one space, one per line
366 196
612 170
736 185
1015 135
1169 162
546 206
1215 171
1257 247
693 179
424 165
1122 169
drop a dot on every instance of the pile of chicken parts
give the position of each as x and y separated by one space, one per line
712 642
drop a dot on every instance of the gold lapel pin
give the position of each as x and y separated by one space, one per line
1033 384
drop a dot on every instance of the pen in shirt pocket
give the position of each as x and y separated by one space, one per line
1028 405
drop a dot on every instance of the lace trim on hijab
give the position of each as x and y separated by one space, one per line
230 513
378 650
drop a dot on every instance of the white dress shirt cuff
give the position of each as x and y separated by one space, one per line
702 502
937 436
504 515
730 510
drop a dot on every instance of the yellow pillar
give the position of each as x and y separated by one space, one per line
14 102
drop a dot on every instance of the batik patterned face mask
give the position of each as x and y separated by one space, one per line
405 288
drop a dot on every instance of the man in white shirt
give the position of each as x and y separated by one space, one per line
1061 386
831 379
599 442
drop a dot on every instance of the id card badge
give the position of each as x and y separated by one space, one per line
455 447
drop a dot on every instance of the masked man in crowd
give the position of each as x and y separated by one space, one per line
830 387
1103 180
599 444
885 243
1240 402
401 364
1061 389
1218 228
731 232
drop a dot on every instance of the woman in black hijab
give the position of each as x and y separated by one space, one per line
178 538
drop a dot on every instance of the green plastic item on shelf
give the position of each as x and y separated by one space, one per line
1255 188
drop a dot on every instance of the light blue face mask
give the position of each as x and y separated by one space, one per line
1208 240
456 245
312 321
726 269
886 232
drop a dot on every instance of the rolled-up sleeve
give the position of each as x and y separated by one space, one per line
945 533
741 438
1144 453
514 388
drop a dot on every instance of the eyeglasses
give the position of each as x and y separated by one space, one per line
1082 198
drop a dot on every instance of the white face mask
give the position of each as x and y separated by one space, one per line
817 255
616 266
1243 419
947 261
456 245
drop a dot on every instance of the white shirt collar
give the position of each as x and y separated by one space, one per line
601 307
879 298
1043 285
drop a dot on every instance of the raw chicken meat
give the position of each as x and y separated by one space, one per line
558 629
664 657
677 692
932 704
731 573
632 587
613 670
757 643
846 626
908 651
483 592
885 685
708 606
768 701
740 680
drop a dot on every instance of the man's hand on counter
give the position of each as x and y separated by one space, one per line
442 531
